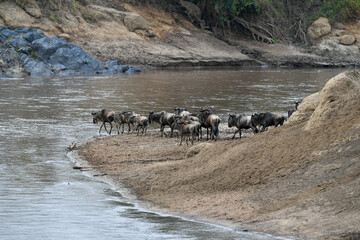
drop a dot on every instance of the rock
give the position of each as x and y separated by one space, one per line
32 36
132 70
347 40
334 49
65 36
29 50
319 28
14 15
6 34
33 10
133 21
111 63
339 25
44 47
40 69
19 42
76 60
339 33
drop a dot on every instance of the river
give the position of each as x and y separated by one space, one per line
43 197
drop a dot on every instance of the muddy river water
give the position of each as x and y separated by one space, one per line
43 197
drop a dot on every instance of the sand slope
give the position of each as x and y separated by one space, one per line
301 179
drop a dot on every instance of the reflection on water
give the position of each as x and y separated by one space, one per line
42 197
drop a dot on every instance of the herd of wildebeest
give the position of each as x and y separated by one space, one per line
188 124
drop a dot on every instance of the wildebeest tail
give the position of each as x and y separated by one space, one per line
216 130
145 123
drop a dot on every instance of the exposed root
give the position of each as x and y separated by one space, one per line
256 34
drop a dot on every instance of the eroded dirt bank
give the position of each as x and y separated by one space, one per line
143 35
301 179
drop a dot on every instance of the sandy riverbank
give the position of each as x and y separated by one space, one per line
301 179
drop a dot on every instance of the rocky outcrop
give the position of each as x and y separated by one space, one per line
338 44
38 54
319 28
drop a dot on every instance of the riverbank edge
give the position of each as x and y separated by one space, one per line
128 195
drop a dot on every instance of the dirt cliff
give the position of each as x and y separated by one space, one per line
301 179
144 35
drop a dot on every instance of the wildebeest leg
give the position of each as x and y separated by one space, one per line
162 130
207 134
106 129
111 127
117 127
236 133
123 128
240 132
172 131
181 138
101 127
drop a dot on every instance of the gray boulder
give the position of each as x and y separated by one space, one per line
76 59
6 34
41 55
19 42
45 47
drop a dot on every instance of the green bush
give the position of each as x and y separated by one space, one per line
336 10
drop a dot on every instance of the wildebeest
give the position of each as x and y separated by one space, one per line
241 122
209 120
103 116
121 118
139 122
186 128
267 119
126 118
154 117
166 119
290 112
182 112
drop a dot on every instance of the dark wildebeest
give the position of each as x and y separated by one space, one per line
103 116
140 122
290 112
267 119
154 117
186 128
209 120
166 119
241 122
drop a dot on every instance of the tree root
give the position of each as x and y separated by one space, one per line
256 34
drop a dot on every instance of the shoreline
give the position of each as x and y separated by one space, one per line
146 206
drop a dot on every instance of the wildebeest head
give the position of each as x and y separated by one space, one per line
96 116
232 120
179 110
204 114
256 119
151 115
